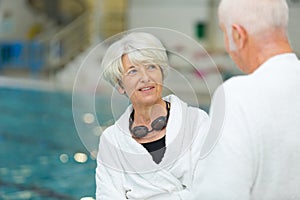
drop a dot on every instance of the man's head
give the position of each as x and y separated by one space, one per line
250 24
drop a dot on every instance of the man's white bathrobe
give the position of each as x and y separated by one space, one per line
125 169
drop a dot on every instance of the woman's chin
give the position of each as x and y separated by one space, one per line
148 100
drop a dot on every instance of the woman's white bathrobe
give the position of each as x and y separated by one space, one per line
125 169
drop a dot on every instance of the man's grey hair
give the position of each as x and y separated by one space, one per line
255 16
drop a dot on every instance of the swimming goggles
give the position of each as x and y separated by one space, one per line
157 125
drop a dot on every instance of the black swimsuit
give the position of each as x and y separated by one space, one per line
156 149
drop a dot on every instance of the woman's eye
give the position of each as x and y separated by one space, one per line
132 72
152 67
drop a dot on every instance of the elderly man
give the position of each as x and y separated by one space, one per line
255 117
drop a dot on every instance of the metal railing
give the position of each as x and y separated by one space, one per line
66 43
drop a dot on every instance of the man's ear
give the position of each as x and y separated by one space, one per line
239 35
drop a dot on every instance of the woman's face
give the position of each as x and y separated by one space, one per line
142 83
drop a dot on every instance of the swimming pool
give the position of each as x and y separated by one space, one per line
41 155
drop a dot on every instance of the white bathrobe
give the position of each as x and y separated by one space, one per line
125 169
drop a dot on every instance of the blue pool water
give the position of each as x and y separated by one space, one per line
38 141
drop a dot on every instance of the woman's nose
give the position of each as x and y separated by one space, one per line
145 76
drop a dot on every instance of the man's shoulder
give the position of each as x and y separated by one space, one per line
237 83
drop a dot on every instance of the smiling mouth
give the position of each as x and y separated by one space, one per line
146 88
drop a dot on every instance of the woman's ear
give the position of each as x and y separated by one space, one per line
239 35
120 88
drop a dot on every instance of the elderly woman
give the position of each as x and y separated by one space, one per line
152 150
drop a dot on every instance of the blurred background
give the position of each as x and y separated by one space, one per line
43 43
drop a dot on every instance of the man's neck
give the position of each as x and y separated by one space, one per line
267 47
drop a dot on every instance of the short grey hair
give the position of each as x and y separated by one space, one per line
141 48
254 15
